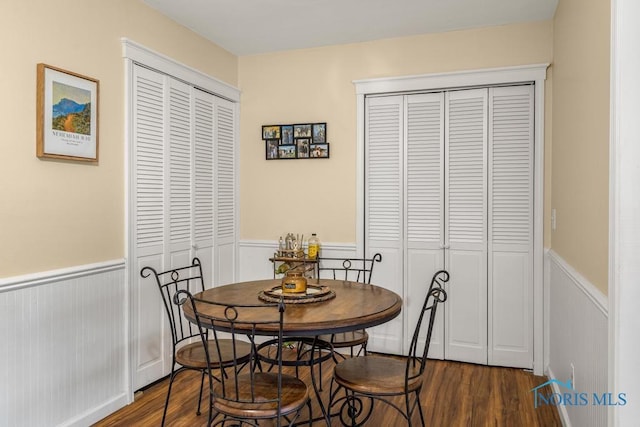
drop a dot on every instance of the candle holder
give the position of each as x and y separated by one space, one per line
294 282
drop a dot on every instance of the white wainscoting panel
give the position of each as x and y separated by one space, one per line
578 336
64 346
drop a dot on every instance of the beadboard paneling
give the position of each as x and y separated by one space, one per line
63 346
578 336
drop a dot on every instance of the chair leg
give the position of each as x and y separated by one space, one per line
166 402
299 353
200 395
352 409
411 409
334 390
419 408
212 417
319 367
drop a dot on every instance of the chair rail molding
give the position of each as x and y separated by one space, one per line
51 276
599 300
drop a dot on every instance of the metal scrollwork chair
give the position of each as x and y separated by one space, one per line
380 379
354 270
245 396
188 351
316 350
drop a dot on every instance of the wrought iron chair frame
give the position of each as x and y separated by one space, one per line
363 272
352 405
316 350
347 268
170 282
229 321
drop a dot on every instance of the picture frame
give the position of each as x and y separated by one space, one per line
271 132
287 151
319 151
271 149
67 115
287 134
302 130
319 133
302 147
295 141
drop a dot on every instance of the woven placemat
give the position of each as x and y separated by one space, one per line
321 293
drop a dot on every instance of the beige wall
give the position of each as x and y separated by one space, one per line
56 214
580 177
315 85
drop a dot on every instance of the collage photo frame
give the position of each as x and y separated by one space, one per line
295 141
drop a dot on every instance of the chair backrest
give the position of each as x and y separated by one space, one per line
169 283
351 269
239 324
416 361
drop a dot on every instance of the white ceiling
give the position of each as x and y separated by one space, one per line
247 27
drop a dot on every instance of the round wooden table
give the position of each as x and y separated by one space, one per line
355 306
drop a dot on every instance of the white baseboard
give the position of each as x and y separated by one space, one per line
98 413
562 410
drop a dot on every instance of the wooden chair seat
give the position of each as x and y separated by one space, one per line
346 339
244 394
382 378
192 356
295 395
375 375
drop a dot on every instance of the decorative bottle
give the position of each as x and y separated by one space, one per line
313 247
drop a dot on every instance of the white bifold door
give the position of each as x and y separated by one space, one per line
182 198
449 184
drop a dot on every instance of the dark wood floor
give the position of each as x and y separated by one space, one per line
455 394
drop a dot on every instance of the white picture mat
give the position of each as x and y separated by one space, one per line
68 143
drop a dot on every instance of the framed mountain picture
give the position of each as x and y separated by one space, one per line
67 115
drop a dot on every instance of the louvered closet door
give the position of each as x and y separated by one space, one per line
511 226
178 151
466 225
203 182
384 207
424 205
225 192
148 164
183 170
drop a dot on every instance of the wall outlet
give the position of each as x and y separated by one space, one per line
573 376
553 219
